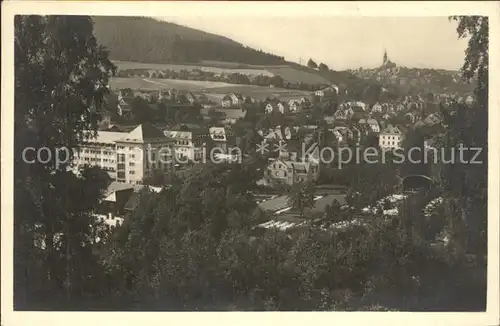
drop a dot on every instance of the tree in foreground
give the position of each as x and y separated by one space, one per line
61 75
466 185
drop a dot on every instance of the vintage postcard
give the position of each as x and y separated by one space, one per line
281 157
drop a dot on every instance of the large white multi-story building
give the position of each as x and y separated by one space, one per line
128 157
100 151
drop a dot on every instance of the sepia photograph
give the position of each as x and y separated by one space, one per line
168 162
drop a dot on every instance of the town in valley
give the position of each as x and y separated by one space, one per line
220 177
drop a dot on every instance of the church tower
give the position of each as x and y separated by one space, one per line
385 58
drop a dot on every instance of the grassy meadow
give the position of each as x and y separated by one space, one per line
218 89
288 73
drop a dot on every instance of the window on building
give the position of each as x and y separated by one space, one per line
131 172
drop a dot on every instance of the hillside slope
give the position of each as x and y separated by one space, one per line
145 43
142 39
140 43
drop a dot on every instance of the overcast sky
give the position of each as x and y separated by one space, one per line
343 42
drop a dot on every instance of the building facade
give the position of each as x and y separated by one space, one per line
100 152
187 145
127 157
391 138
288 172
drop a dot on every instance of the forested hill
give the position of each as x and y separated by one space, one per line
142 39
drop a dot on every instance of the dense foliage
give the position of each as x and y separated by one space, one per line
466 185
61 75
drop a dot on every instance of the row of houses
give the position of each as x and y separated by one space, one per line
121 103
284 107
235 100
290 167
195 144
279 105
130 156
354 131
346 110
172 94
232 108
187 143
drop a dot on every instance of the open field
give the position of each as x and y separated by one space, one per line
236 65
275 204
293 75
320 204
178 67
158 84
259 92
217 89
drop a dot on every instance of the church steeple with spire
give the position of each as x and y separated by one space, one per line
386 62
